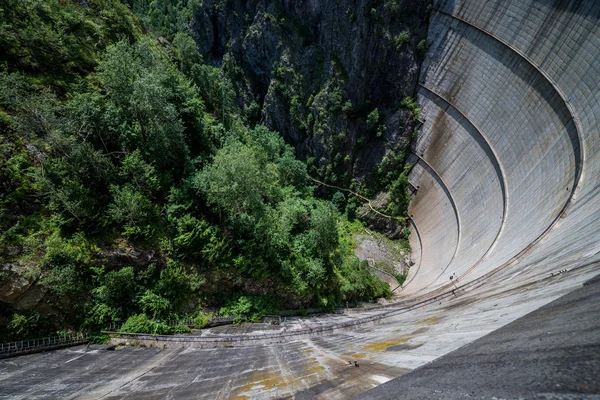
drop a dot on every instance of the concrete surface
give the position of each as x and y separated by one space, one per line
308 367
551 353
507 172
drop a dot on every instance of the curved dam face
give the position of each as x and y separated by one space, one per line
506 184
506 163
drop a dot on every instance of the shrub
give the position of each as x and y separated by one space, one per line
399 196
253 308
24 326
421 49
339 201
400 39
140 323
401 278
180 329
411 105
201 320
373 119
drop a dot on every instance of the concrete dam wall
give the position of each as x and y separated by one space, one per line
506 163
506 184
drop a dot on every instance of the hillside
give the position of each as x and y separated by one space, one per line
142 171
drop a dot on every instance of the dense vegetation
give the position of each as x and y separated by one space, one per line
131 184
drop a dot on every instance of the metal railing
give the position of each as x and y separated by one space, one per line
392 310
116 326
37 345
272 319
223 320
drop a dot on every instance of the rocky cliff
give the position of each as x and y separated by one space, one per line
330 76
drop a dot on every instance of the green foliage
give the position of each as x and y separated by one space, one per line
174 285
339 201
199 242
201 320
373 123
399 196
165 17
411 105
401 39
350 211
215 88
290 85
140 323
148 98
237 181
180 330
66 262
115 295
358 283
401 278
354 277
133 187
421 49
132 210
393 7
60 40
24 326
373 119
250 308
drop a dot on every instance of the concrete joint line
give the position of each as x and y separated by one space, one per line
580 155
437 177
497 167
414 224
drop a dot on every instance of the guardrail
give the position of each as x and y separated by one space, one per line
272 319
224 320
228 340
37 345
174 322
398 308
278 336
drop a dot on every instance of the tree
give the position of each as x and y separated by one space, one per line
236 181
339 200
399 196
131 209
145 98
373 119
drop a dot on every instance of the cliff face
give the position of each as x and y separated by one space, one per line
317 70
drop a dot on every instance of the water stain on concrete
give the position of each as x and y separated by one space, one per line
430 321
357 356
405 346
420 330
383 345
261 381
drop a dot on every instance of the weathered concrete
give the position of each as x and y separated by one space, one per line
551 353
314 366
507 182
510 97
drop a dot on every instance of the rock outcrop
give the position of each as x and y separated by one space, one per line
317 69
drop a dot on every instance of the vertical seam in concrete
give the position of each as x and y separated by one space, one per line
497 167
579 155
437 177
414 224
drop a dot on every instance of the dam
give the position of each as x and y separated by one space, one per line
505 238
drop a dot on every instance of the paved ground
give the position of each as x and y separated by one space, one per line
551 353
274 371
316 367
